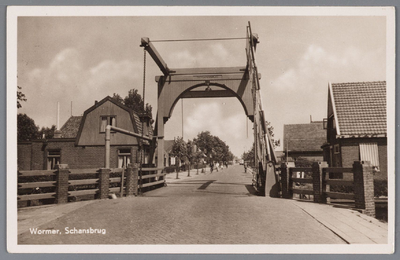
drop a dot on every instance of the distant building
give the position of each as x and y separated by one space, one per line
356 125
303 140
169 160
81 143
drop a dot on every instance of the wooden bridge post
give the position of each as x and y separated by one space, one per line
318 178
132 179
364 187
104 183
62 177
285 180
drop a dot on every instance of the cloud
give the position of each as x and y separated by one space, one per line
67 79
318 65
302 90
213 55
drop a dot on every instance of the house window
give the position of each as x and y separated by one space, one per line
336 149
124 158
172 160
369 152
106 120
325 123
53 158
336 159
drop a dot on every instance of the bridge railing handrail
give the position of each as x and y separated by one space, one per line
64 184
320 181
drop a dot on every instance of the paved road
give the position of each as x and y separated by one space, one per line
217 208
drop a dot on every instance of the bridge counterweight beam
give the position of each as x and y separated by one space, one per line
149 47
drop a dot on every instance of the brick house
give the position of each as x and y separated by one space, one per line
303 140
356 125
81 140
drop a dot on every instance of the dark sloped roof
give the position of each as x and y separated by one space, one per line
168 145
304 137
360 107
71 127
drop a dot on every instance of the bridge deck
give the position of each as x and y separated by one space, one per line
209 208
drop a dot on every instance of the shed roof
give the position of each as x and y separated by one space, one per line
360 107
304 137
71 127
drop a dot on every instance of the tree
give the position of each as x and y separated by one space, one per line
134 101
186 151
47 132
249 156
26 128
213 147
20 97
179 150
192 155
275 143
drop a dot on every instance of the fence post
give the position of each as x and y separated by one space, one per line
62 177
104 183
285 180
364 187
132 179
318 178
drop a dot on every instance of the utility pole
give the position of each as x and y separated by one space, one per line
182 117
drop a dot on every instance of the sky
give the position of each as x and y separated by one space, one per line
83 59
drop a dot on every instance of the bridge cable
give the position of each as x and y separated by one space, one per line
144 111
199 40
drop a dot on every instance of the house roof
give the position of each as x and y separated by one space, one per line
304 137
360 108
71 127
168 145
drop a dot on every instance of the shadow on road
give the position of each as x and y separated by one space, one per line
251 189
205 185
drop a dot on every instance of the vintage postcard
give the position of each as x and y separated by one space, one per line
245 130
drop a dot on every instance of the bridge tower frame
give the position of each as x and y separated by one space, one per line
239 82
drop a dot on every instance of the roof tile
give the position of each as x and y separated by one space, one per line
360 107
304 137
71 127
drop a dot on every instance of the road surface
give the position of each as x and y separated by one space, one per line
217 208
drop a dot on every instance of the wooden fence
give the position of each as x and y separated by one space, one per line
63 185
317 181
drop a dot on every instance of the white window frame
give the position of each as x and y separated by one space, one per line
53 159
370 152
124 158
109 119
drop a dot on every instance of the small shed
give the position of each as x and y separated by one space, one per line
303 140
356 125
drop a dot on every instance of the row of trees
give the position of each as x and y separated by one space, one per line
26 127
205 147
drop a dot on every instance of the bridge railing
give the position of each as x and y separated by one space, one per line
317 181
65 185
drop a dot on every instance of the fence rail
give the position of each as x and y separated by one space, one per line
319 186
64 184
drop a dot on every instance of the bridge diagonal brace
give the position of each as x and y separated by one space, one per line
149 47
